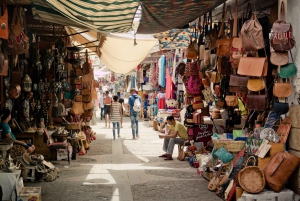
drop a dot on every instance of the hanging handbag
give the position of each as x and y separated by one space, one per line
287 71
282 33
257 102
231 101
78 81
238 84
284 129
18 42
88 106
223 46
252 35
192 53
253 66
212 34
86 91
215 77
86 98
4 22
279 163
77 108
78 98
194 85
16 75
256 84
279 58
282 89
224 65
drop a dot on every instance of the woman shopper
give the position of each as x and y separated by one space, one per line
116 115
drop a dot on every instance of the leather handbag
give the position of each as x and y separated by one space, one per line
279 169
206 59
231 101
253 66
282 33
215 77
238 84
257 102
212 34
224 65
252 35
78 71
86 91
77 108
86 98
282 89
256 84
284 129
78 81
192 53
88 106
4 22
87 113
78 98
281 108
223 46
287 71
279 58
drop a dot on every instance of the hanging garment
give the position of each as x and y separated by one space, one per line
132 82
169 86
161 97
162 71
156 74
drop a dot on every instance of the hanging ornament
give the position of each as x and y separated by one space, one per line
27 83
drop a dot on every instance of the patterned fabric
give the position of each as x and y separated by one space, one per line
162 71
156 74
173 39
105 16
159 16
115 114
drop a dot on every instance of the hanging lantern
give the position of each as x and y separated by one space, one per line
27 83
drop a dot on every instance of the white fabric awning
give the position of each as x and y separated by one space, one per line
120 55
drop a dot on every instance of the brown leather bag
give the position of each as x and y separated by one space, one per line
86 98
78 71
88 106
212 34
86 91
256 84
238 84
282 89
78 98
253 66
78 81
279 169
192 53
257 102
252 35
231 101
4 22
282 33
279 58
215 77
88 113
77 108
224 65
223 46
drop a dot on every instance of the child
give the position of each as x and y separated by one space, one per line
116 115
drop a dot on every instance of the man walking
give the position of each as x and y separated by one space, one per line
135 108
121 101
176 135
107 104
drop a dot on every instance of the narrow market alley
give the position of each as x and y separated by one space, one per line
124 170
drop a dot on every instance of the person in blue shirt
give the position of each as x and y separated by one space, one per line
134 115
146 105
6 131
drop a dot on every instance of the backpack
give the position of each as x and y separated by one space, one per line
137 105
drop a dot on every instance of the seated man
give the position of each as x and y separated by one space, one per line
6 131
176 135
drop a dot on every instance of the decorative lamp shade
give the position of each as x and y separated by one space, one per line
27 83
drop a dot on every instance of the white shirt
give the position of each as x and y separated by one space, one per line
101 101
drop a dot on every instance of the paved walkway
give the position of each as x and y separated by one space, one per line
125 170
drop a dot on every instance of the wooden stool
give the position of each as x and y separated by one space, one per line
30 170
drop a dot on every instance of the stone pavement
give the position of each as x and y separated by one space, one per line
125 170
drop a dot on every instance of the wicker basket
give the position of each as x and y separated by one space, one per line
252 179
231 146
73 126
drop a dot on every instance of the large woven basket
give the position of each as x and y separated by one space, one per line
252 179
231 146
73 126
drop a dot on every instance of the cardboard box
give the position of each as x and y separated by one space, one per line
275 148
30 194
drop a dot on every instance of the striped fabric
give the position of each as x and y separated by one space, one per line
103 16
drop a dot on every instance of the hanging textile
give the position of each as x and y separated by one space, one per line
169 85
159 16
132 82
177 59
162 71
137 81
156 73
173 39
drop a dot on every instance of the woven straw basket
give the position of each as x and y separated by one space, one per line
231 146
252 179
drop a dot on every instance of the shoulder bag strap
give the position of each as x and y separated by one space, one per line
282 13
228 9
236 7
221 30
